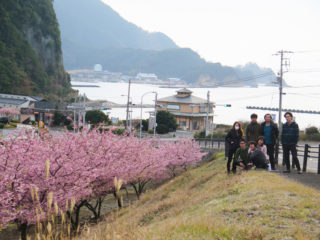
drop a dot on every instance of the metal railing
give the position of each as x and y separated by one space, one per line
216 143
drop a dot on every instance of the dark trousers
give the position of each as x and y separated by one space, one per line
287 148
235 164
270 152
230 156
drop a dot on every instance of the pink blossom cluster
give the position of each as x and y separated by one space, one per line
9 111
80 166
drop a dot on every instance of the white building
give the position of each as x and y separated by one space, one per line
97 68
147 77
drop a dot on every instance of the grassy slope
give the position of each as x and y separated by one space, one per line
205 203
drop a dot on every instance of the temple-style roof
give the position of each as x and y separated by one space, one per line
184 96
189 99
184 90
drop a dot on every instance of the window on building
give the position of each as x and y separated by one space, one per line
173 107
202 107
183 123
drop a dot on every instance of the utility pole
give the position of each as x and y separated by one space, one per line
84 110
155 114
79 113
283 62
207 118
74 115
128 101
280 81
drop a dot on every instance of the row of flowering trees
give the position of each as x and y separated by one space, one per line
80 167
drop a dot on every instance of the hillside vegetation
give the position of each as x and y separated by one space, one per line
206 203
30 49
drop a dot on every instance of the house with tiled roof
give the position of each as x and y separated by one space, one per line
190 111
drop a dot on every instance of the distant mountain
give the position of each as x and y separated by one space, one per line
262 75
30 50
94 25
94 33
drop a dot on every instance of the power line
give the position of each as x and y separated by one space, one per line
305 70
307 51
249 78
245 98
306 86
305 95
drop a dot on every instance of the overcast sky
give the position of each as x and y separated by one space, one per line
235 32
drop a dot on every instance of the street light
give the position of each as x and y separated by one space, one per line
128 115
140 135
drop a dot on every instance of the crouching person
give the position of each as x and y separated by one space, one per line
257 157
241 157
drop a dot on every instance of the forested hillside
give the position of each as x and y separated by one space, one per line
30 50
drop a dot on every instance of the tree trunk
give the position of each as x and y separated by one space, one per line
23 227
136 190
118 199
99 206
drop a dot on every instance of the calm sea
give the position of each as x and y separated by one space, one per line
306 98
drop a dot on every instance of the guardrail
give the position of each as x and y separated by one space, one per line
211 143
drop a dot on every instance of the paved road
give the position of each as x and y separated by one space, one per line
310 179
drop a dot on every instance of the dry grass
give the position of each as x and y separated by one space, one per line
205 203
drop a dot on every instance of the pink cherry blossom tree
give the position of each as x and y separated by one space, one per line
80 167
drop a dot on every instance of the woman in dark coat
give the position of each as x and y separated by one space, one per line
233 139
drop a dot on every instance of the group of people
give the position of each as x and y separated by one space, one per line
256 147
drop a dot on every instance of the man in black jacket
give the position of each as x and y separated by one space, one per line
289 139
270 132
253 129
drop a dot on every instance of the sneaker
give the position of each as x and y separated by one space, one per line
286 171
299 172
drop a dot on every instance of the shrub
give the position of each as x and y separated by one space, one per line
14 121
312 130
219 135
165 118
200 134
162 129
145 125
12 124
96 116
312 137
57 118
118 131
70 127
1 125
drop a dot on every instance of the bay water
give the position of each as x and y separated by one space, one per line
302 98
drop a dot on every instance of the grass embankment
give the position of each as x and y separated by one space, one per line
205 203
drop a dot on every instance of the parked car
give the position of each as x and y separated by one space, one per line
4 120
